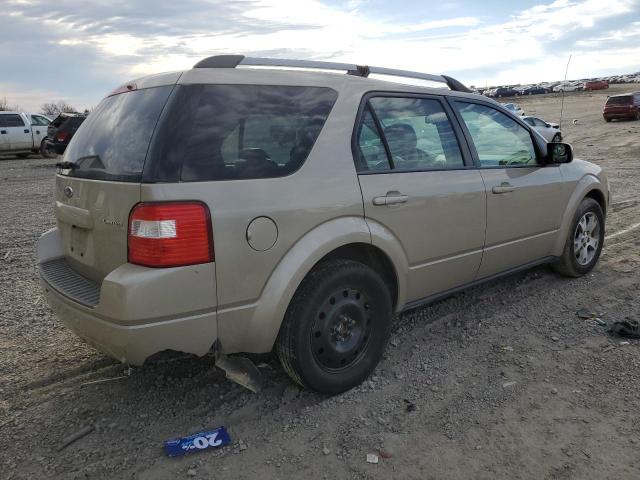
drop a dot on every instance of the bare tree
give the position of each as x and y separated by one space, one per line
53 108
4 105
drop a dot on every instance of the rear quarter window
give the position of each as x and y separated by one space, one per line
227 132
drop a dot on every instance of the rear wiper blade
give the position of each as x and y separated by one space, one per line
66 165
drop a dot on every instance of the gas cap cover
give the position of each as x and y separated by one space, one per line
262 233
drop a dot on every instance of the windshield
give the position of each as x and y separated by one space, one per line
112 142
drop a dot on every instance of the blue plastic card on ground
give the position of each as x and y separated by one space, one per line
197 442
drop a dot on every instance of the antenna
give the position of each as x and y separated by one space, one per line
564 84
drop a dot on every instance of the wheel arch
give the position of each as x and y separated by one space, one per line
589 186
344 238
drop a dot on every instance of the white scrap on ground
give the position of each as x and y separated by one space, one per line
372 458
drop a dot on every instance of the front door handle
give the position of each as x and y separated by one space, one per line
391 198
26 130
3 132
504 187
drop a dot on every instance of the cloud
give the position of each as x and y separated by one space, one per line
81 49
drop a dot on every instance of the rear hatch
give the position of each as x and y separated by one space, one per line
618 105
99 179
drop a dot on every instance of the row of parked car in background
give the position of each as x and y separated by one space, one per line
23 133
550 87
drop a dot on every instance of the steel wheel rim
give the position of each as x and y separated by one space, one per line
586 239
342 329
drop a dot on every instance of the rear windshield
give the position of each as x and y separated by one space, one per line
72 123
112 142
619 100
225 132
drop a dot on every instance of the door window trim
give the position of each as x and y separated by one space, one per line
469 139
465 152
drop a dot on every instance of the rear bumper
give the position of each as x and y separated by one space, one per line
59 148
134 344
628 116
139 311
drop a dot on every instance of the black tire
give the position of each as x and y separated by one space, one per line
336 327
557 138
22 155
47 152
607 120
568 264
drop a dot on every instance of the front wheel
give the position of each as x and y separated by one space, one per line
584 241
336 327
557 138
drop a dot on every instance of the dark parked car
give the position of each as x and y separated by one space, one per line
503 92
62 129
622 106
532 90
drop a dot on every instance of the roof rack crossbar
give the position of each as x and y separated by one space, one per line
232 61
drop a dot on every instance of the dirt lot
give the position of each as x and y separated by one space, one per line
502 381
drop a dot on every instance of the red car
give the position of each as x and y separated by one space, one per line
596 85
626 106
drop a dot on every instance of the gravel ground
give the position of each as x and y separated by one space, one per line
501 381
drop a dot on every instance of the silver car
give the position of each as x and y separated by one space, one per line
232 209
550 131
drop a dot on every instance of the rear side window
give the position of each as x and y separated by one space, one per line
417 132
11 120
226 132
113 140
626 100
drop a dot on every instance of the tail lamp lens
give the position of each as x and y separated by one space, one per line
170 234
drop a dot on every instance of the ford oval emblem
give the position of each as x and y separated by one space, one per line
68 192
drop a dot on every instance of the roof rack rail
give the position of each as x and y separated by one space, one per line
232 61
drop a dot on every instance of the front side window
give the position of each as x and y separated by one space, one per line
498 139
226 132
418 134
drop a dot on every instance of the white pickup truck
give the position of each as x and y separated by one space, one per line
23 133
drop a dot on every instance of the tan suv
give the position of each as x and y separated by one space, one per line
235 209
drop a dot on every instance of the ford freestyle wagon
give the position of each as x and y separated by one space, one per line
296 207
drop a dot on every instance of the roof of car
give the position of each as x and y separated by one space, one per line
316 75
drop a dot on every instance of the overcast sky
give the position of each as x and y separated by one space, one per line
79 50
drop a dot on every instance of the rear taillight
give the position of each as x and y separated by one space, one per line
62 136
168 234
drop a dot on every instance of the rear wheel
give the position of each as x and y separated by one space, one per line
584 242
607 119
336 327
22 155
45 151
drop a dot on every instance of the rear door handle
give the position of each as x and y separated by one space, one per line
504 187
391 198
3 132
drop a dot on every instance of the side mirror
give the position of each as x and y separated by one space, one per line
559 153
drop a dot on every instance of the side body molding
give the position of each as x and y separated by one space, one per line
254 328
